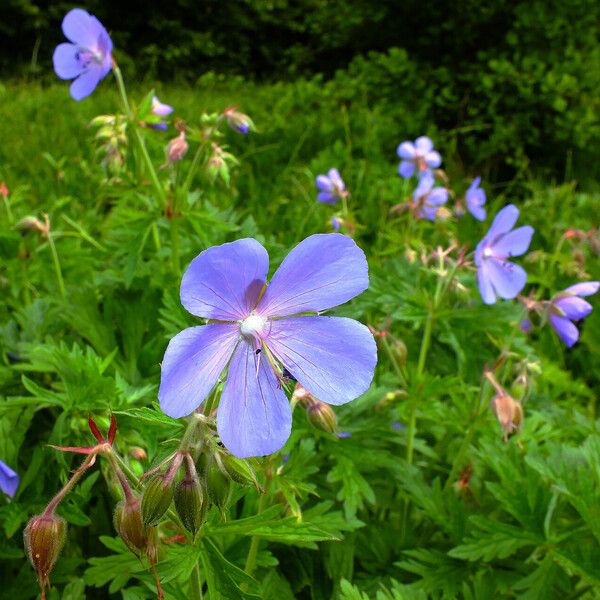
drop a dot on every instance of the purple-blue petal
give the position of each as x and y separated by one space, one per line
193 361
406 151
477 211
566 330
484 281
224 282
336 178
428 212
324 183
438 196
573 307
507 278
426 182
513 243
433 159
423 145
333 358
160 109
83 29
322 271
65 62
327 198
406 168
9 480
503 222
254 416
585 288
85 84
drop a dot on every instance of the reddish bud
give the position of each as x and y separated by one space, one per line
129 525
44 538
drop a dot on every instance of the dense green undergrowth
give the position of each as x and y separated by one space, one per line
454 513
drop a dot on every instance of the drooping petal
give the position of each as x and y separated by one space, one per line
478 212
82 29
322 271
485 284
574 308
507 278
406 168
406 151
438 196
433 159
513 243
503 222
332 357
336 178
423 145
254 416
160 109
224 282
327 198
585 288
9 480
85 84
324 183
566 330
426 182
193 361
66 65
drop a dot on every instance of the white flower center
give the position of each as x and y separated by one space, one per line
252 327
487 252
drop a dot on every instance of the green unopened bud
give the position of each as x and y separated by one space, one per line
156 499
44 538
129 525
191 504
321 416
399 351
218 486
239 470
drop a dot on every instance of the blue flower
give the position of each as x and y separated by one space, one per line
419 156
160 109
496 275
475 198
427 198
331 187
9 480
87 59
567 306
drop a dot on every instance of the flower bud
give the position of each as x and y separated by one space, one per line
129 525
156 499
321 416
508 412
218 486
30 223
240 470
44 538
238 121
177 148
400 351
191 504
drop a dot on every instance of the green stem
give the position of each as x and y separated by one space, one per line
138 136
174 226
393 360
195 584
192 170
59 277
254 544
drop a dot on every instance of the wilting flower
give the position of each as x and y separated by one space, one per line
261 330
475 198
331 187
419 155
160 110
429 199
9 480
88 58
567 306
496 275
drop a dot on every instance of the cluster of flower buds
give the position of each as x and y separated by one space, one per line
219 163
112 141
319 415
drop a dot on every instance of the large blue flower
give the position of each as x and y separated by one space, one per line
260 333
568 306
87 59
